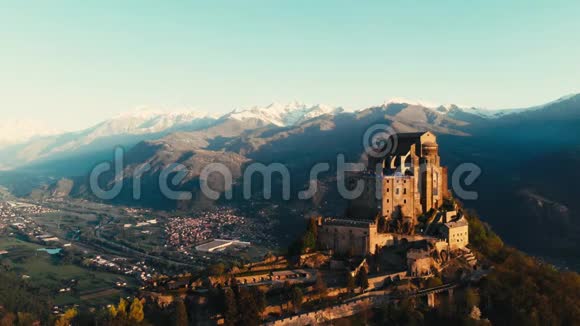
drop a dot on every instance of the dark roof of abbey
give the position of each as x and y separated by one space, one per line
406 135
404 141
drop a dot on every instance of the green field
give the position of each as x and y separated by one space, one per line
95 287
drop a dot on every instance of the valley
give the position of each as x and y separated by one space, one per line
96 253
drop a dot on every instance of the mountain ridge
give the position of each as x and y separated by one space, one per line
147 121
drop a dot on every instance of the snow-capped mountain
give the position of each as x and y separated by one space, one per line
129 128
446 109
124 129
145 121
283 114
135 124
454 110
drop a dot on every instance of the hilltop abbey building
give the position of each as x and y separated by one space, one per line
399 186
405 183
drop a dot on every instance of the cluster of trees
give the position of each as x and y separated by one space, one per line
522 290
297 297
294 294
20 318
361 280
180 317
516 306
460 309
67 318
308 240
23 305
482 237
123 314
179 313
20 302
239 305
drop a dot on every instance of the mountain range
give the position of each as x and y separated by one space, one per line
128 129
528 157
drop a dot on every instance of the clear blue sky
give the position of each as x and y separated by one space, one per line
71 63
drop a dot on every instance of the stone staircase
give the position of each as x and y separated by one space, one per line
469 257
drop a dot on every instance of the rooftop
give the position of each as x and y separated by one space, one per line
348 222
457 223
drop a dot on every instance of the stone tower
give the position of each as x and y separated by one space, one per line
405 182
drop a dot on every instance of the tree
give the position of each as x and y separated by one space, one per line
350 282
313 226
260 298
25 319
308 241
247 307
216 300
297 298
181 314
468 300
399 226
382 225
122 308
6 265
404 313
235 286
136 312
310 237
217 269
286 294
433 282
230 307
66 318
320 285
362 278
112 311
9 319
124 315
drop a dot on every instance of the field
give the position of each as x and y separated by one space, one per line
93 287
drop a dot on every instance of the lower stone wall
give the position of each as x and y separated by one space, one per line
378 281
328 314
